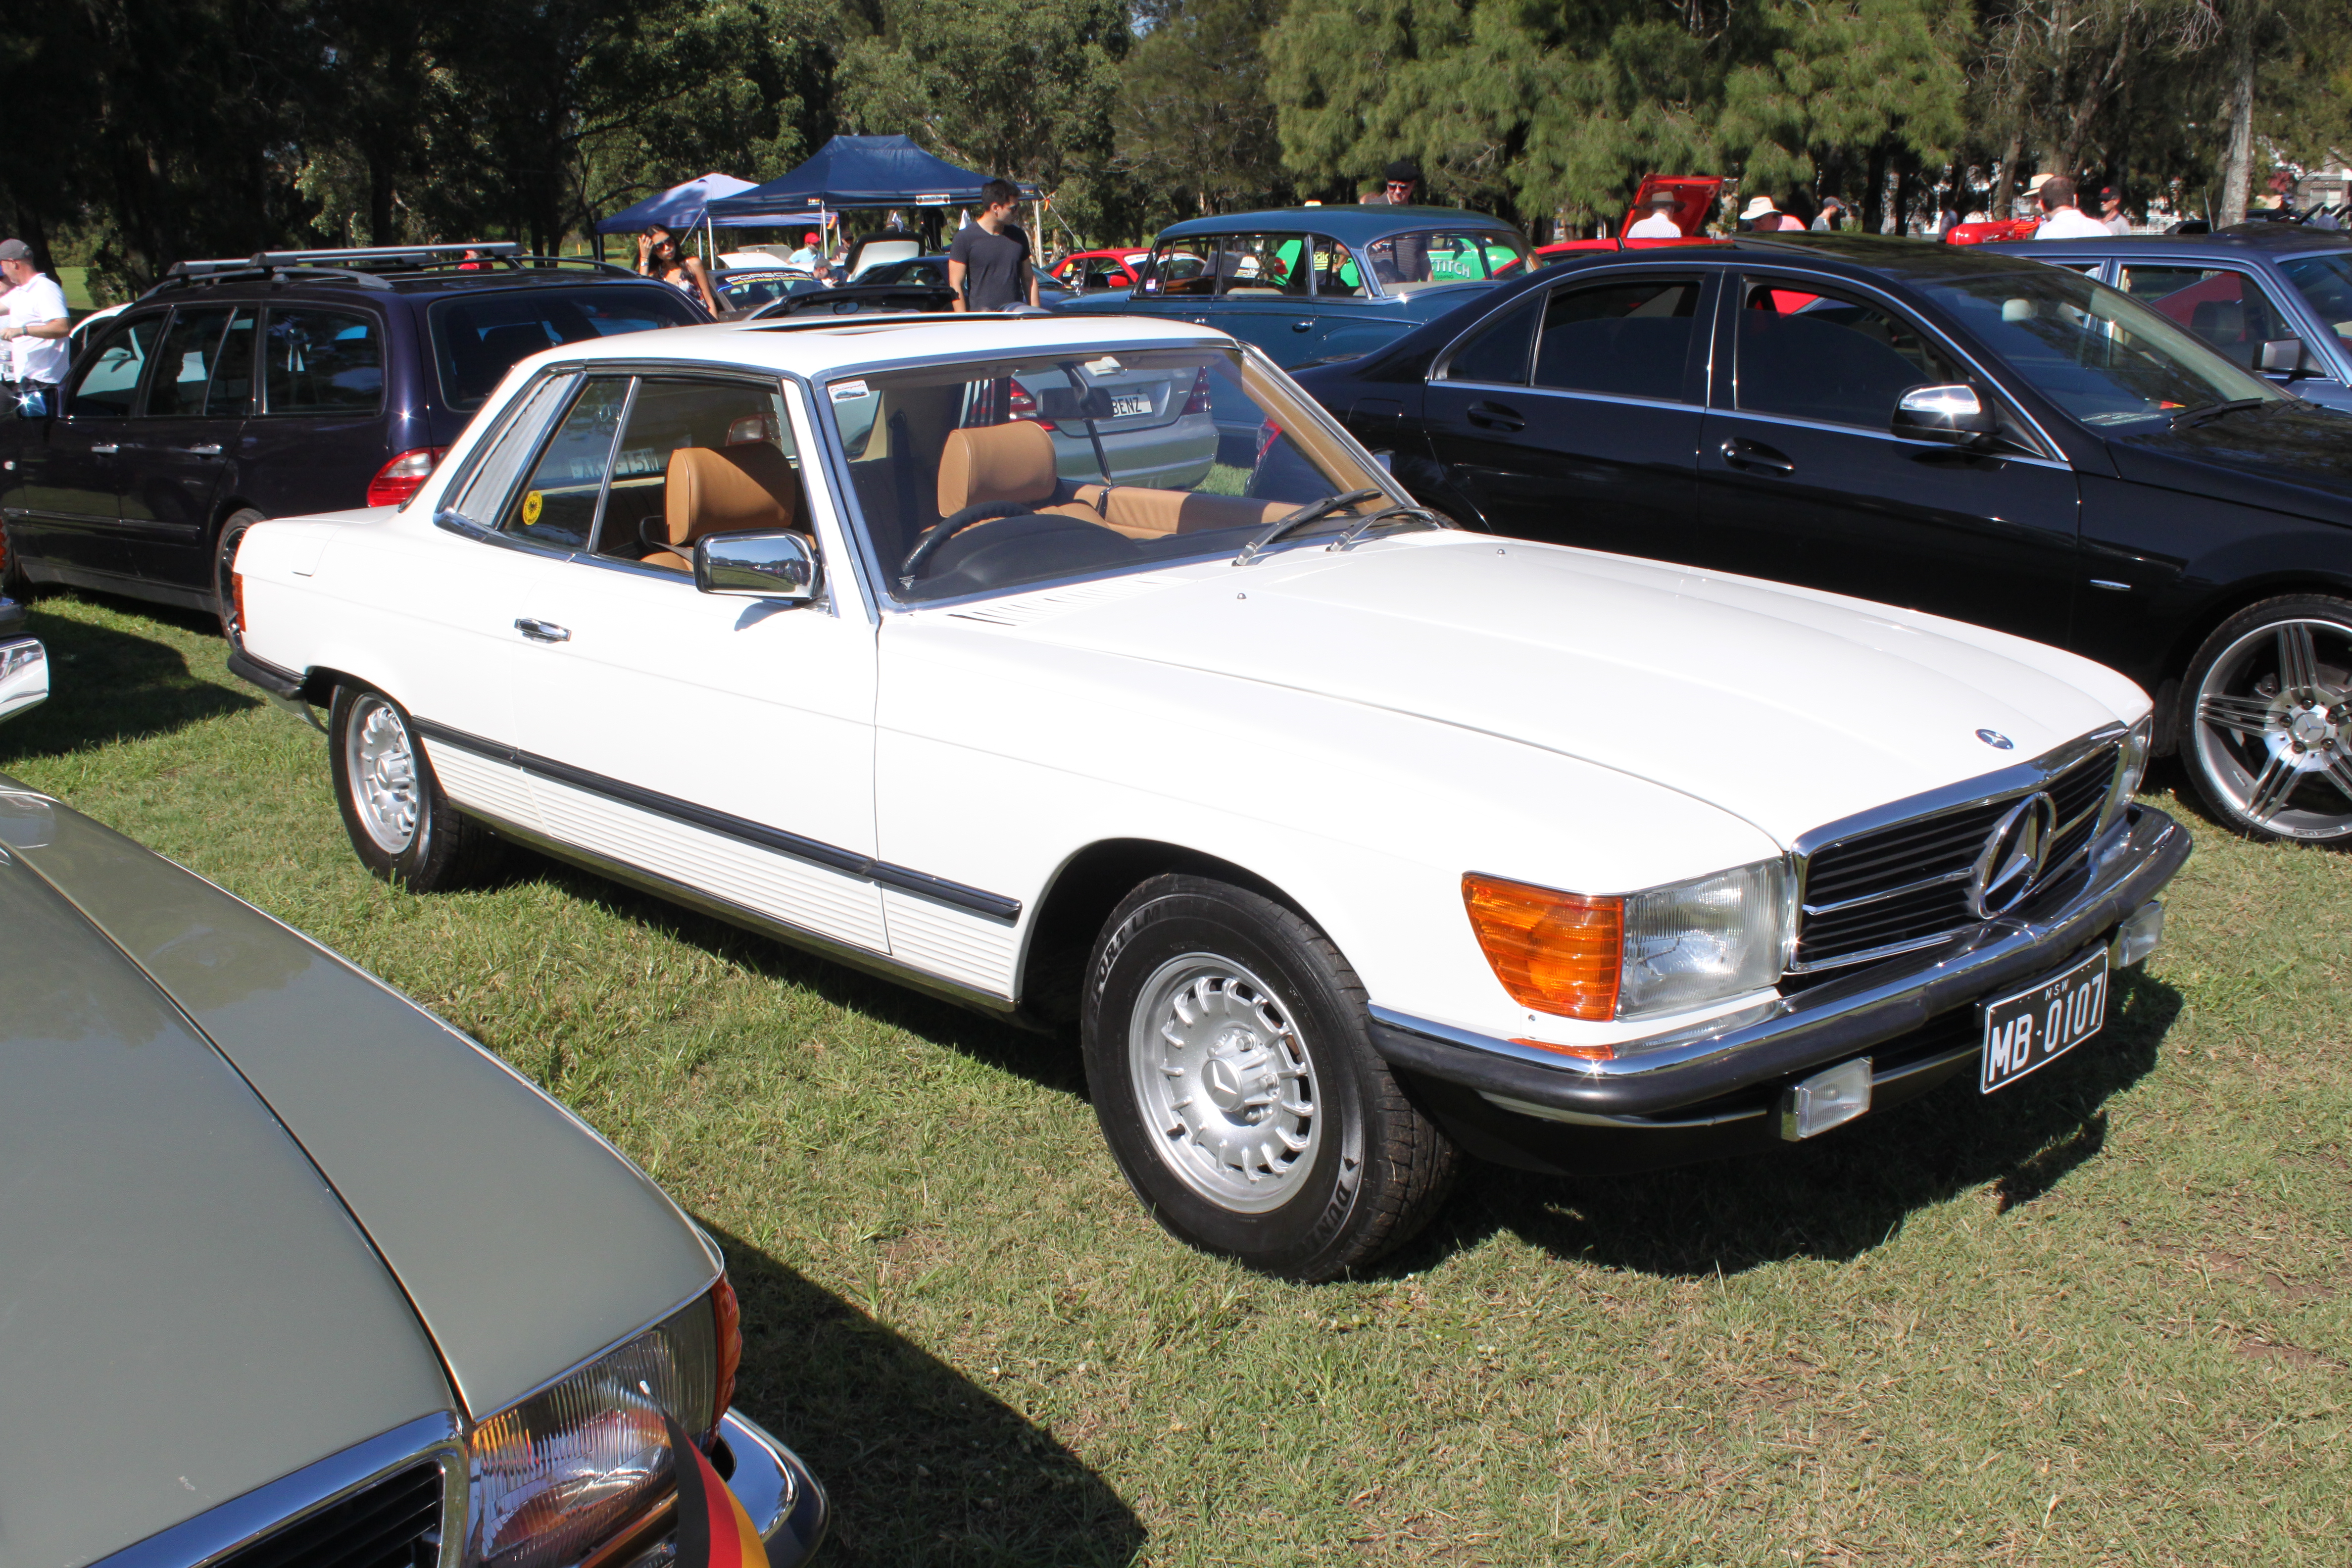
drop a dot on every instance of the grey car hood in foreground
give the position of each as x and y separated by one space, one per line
187 1310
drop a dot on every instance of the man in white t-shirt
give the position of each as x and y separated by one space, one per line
1660 224
2065 220
33 325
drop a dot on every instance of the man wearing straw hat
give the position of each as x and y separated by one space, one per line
1760 216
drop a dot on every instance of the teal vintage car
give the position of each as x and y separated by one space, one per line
1306 284
292 1273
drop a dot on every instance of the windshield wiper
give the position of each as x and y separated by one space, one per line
2205 411
1413 516
1312 511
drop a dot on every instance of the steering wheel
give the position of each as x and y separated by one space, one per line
949 527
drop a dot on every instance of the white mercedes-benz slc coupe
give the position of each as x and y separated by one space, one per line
1345 841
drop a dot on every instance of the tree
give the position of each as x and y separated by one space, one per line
1193 117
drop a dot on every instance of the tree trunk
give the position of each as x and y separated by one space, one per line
2237 163
1874 200
2005 182
380 200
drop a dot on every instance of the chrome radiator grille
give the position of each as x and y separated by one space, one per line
1889 889
395 1523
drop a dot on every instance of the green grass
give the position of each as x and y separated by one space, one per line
2101 1318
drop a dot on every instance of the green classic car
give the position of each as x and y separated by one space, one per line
1307 284
293 1273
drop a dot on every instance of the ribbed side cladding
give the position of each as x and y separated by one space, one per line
391 1524
1913 875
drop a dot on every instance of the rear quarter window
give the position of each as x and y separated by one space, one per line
477 336
322 361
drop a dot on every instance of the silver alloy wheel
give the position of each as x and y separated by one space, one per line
2274 728
1224 1083
380 763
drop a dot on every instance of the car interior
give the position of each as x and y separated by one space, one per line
1831 359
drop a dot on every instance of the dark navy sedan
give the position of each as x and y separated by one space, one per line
1977 435
2274 297
1318 283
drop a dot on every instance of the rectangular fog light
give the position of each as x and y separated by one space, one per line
1826 1100
2137 936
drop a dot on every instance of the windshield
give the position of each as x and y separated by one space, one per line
989 474
477 336
2102 356
2326 282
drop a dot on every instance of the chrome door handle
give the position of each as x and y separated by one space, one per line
1496 416
1306 326
106 447
1756 458
204 449
542 631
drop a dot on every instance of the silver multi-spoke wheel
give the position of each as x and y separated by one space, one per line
2274 728
1225 1082
382 765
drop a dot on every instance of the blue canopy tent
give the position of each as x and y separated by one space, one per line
681 209
853 172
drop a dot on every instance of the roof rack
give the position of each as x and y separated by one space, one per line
367 264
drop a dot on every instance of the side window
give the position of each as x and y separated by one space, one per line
231 393
185 362
557 504
483 497
1498 353
699 458
323 362
111 383
1183 267
1337 276
1630 337
1263 265
1830 357
2225 308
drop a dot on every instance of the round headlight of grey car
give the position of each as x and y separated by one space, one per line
557 1474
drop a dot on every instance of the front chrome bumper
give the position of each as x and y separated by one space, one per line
785 1504
1706 1074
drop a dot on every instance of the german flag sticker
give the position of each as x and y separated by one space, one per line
713 1531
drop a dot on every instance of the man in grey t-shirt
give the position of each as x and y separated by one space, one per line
988 263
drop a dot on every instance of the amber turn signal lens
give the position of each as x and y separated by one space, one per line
1555 952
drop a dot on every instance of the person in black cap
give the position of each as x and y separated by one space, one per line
1403 178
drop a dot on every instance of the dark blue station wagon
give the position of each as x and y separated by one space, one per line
298 381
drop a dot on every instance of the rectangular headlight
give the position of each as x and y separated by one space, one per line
557 1475
1625 956
1701 940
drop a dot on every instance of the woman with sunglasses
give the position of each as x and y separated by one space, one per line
659 256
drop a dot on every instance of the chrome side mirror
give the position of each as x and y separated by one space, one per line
1952 413
24 674
773 564
2282 356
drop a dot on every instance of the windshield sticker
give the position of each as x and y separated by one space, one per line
530 505
845 391
1103 366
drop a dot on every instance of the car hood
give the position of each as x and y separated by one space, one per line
1785 707
522 1241
186 1311
2296 460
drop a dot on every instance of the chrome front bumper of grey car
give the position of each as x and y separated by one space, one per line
1724 1071
784 1502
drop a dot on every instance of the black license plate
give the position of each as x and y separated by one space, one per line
2032 1028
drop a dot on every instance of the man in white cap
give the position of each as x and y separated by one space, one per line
1660 224
33 327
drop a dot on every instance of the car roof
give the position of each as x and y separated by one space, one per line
1891 255
315 282
1354 224
2279 241
815 346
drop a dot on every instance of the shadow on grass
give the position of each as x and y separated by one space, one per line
107 684
1835 1198
922 1465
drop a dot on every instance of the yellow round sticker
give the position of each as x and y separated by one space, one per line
531 509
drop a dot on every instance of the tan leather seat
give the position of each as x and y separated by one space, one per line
1012 462
724 490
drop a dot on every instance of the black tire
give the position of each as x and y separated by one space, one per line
2282 670
224 544
1372 1168
430 846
